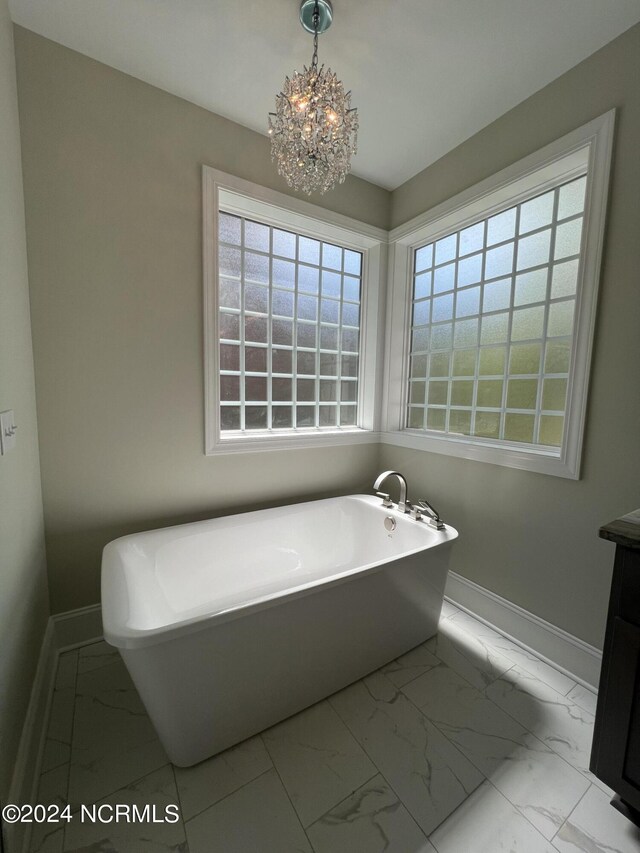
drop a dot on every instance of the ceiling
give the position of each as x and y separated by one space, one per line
425 74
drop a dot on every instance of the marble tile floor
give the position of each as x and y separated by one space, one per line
467 744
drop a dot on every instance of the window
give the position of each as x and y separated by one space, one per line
499 288
291 301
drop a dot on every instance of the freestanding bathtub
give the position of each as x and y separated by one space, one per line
230 625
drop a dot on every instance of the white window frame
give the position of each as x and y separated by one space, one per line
244 198
589 146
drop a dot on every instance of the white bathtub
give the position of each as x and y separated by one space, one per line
230 625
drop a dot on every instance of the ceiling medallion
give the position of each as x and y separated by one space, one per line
314 128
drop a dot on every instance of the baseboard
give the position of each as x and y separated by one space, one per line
64 631
562 650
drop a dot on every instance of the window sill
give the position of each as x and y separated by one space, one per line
523 457
258 441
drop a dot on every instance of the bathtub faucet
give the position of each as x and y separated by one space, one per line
403 504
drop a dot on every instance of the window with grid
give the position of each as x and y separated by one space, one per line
493 312
288 330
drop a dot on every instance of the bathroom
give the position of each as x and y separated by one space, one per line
130 131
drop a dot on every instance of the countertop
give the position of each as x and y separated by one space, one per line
624 531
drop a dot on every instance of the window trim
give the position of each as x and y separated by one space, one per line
590 146
244 198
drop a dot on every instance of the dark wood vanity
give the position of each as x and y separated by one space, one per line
615 755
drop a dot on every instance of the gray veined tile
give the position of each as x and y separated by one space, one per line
587 699
527 660
371 820
60 723
52 790
448 609
96 655
532 777
596 827
114 742
426 771
153 829
257 817
560 723
67 669
47 839
204 784
479 663
410 666
54 754
487 823
318 760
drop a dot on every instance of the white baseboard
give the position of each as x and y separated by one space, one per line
64 631
562 650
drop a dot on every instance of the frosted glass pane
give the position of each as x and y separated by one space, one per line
416 418
349 365
282 332
534 250
308 250
419 366
560 319
522 393
471 239
443 278
331 284
256 268
352 262
531 287
564 279
255 359
554 394
464 362
256 236
487 424
255 329
350 340
439 365
255 388
348 415
468 302
572 198
229 326
281 361
282 302
281 417
351 288
229 261
284 274
330 311
499 261
307 307
519 427
501 227
229 357
230 417
305 416
466 333
490 393
424 258
568 236
557 357
460 422
350 314
308 279
306 389
446 249
328 338
420 340
281 389
331 256
230 388
443 307
551 430
536 213
284 243
469 270
494 329
328 416
492 360
442 336
306 335
417 392
436 419
438 392
256 298
422 286
421 313
229 228
462 392
229 293
497 295
525 358
348 391
527 323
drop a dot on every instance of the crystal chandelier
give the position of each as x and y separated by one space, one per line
314 128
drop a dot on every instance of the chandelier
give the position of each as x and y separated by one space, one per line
314 128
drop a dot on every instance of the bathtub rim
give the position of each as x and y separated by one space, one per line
119 635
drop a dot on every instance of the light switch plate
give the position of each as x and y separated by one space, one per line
8 430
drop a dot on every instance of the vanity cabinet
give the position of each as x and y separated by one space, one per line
615 755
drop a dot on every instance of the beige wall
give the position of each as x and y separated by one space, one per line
113 195
528 537
23 586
